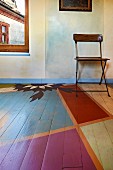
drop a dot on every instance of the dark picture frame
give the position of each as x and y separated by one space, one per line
75 5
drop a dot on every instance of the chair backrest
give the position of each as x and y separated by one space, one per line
88 38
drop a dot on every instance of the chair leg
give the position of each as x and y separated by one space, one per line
76 77
103 68
103 76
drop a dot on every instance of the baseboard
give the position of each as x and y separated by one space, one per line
46 80
34 81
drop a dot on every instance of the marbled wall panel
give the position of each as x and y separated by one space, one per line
60 26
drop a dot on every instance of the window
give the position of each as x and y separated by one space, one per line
4 33
11 39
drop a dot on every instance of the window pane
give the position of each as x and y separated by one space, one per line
3 29
3 38
16 33
14 16
21 6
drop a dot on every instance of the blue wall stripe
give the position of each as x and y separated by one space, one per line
41 81
13 54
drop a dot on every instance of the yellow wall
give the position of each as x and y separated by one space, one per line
108 35
51 45
32 66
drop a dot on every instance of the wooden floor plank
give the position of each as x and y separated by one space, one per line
12 132
109 128
4 102
50 107
73 169
101 136
15 156
37 129
65 150
61 118
72 156
88 131
35 154
31 126
105 146
100 97
101 141
8 118
8 103
34 124
53 153
1 96
83 108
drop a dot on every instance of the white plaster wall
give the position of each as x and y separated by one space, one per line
32 66
108 35
51 45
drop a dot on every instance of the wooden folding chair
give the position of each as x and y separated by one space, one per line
91 38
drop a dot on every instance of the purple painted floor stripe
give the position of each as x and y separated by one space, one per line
72 150
59 151
34 156
73 169
14 156
53 158
66 143
27 154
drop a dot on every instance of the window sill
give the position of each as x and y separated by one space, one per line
14 54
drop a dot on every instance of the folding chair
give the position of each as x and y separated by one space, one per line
91 38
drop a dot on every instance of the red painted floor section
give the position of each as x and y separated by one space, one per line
83 108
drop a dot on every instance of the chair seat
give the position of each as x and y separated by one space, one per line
91 59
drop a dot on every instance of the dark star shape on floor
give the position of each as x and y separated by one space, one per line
39 89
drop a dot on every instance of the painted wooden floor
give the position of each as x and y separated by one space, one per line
100 135
42 135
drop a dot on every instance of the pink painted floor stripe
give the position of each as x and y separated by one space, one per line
26 155
59 151
34 156
72 169
14 156
72 150
66 143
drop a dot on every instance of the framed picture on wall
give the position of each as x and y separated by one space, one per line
75 5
